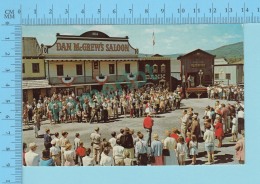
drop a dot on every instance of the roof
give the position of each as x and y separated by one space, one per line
35 84
195 51
31 47
91 35
220 61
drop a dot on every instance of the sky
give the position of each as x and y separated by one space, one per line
169 39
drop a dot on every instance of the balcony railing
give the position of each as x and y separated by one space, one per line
90 79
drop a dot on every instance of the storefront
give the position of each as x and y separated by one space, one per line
92 60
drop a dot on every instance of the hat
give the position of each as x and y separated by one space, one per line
32 145
68 146
53 142
149 114
96 129
155 136
127 129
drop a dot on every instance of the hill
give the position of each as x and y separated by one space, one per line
234 53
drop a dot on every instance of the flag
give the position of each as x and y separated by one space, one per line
153 39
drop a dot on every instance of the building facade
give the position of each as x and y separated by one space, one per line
92 60
157 70
194 62
33 71
228 74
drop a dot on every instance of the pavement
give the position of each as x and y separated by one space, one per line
223 156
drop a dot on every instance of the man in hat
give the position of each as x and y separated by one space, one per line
126 140
95 142
148 124
32 158
195 126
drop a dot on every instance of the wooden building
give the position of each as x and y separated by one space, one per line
92 60
157 70
192 63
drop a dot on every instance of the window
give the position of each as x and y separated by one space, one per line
216 76
147 68
35 68
127 68
228 76
163 68
155 68
59 70
111 68
79 69
23 68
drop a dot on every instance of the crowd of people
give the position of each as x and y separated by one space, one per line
127 148
99 106
229 92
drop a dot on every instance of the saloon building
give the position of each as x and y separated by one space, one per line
92 60
195 61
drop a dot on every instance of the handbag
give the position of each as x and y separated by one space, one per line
165 152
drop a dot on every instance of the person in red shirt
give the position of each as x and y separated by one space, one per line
175 133
219 133
148 124
81 152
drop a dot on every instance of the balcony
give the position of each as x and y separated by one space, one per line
90 79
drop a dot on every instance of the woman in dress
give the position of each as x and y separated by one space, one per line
219 133
69 155
170 144
46 160
157 148
193 145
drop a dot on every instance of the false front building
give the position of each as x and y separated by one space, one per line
195 62
90 61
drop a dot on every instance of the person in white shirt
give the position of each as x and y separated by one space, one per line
76 145
118 153
120 134
209 138
112 140
181 150
55 153
234 128
184 122
57 139
32 158
87 160
105 159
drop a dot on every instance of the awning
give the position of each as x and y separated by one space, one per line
35 84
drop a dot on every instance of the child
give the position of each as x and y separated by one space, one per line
181 150
187 140
193 145
55 153
234 128
219 133
128 161
81 152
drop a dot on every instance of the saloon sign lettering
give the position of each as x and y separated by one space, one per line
92 47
